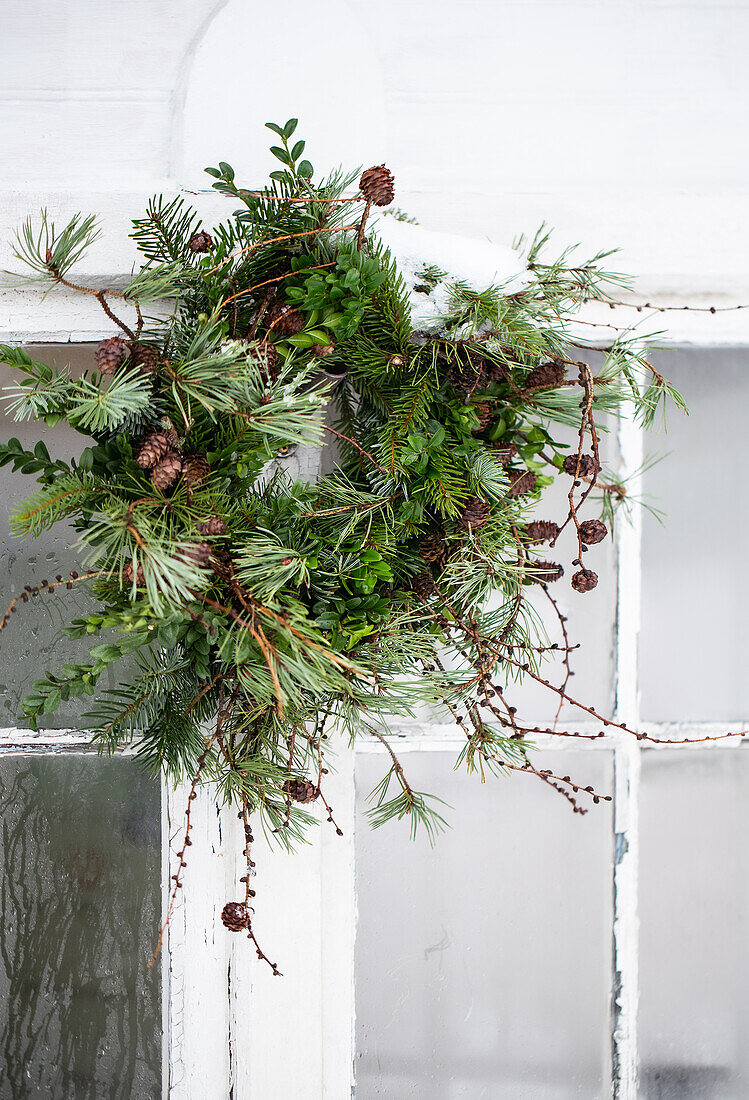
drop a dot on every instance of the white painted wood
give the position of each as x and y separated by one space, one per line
197 950
293 1035
624 982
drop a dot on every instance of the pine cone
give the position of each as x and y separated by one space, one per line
154 447
196 553
547 374
584 580
301 790
166 471
127 575
236 916
505 452
485 414
432 544
267 357
593 531
322 351
111 354
475 514
200 242
378 185
521 482
145 357
466 371
585 467
541 530
545 572
195 469
285 320
213 526
423 585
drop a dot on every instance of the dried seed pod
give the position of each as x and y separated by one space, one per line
284 319
584 466
377 185
423 585
166 471
475 513
301 790
521 482
154 447
200 242
593 531
541 530
111 354
584 580
546 374
236 916
545 572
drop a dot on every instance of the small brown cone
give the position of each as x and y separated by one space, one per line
545 572
111 354
541 530
301 790
475 514
196 553
213 526
505 452
145 357
521 482
377 185
465 372
166 471
547 374
267 357
200 242
485 414
585 466
195 469
584 580
128 573
432 544
285 320
423 585
154 447
236 916
593 531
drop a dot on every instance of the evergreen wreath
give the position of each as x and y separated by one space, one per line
262 612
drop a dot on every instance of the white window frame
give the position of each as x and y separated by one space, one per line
230 1027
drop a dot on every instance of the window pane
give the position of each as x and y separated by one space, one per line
694 925
694 645
80 1012
33 640
483 964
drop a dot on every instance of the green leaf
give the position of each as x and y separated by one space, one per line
290 127
297 151
305 169
280 154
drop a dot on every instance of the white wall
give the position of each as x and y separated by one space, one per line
620 123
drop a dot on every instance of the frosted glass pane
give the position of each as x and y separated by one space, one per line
33 641
80 1012
694 645
694 925
482 967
